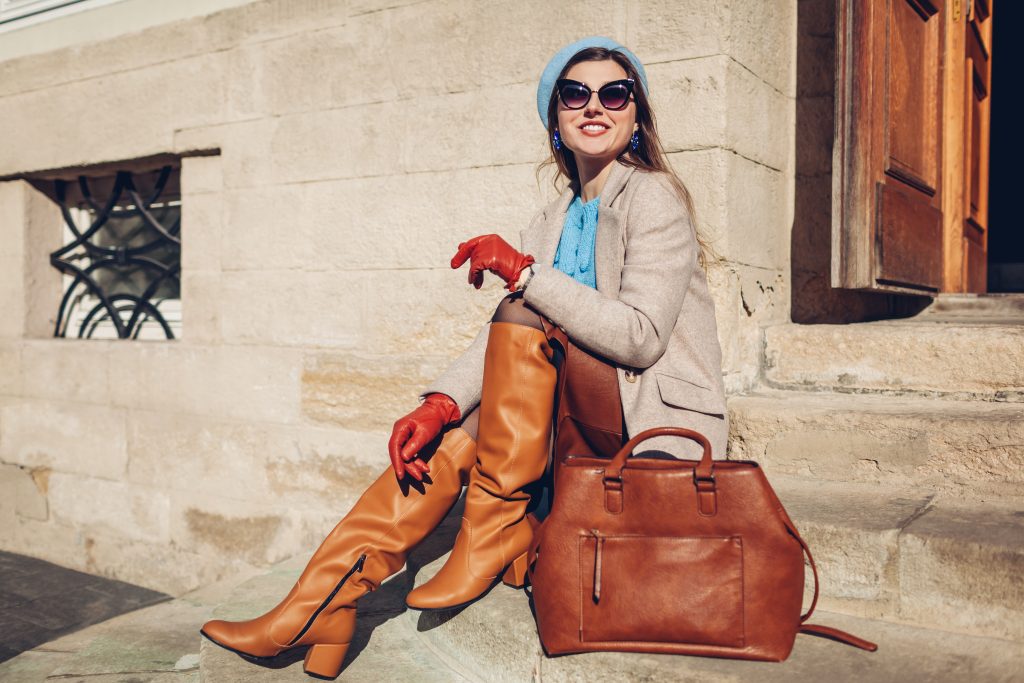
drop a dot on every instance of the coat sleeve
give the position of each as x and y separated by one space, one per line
463 379
660 259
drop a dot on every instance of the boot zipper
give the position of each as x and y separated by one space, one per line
358 566
598 542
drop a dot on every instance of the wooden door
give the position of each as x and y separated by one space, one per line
967 143
887 212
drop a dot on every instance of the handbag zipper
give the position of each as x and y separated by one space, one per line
358 566
598 543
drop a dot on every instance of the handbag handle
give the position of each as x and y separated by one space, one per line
704 470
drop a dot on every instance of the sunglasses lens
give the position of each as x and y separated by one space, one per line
574 96
614 96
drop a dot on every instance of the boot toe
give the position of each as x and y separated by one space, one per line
437 594
235 636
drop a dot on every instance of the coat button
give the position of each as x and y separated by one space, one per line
630 376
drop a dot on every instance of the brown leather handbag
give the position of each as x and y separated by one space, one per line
670 556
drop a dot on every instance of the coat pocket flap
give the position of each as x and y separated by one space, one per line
683 393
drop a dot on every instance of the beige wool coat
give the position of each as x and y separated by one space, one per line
651 314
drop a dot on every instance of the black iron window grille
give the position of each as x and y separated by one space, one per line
122 265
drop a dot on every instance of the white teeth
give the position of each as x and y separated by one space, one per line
593 127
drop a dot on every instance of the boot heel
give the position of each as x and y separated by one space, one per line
515 575
325 660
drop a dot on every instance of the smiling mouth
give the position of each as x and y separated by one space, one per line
593 130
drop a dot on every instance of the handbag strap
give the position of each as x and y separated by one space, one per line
818 629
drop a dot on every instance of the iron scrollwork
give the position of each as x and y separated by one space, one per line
128 260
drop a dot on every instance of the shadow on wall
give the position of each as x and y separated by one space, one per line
813 299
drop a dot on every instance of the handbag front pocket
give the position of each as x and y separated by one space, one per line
661 589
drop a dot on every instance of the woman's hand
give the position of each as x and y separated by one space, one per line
414 431
491 252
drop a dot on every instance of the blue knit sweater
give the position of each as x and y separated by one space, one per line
575 255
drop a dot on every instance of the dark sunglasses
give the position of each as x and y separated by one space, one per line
613 95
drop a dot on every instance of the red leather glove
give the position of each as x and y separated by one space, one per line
414 431
491 252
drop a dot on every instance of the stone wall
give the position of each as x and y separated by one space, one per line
357 144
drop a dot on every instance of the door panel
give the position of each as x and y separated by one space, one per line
977 85
887 161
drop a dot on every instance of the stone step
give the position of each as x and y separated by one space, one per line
931 355
904 555
1001 308
895 554
385 648
973 449
495 639
890 560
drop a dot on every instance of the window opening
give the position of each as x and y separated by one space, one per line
122 257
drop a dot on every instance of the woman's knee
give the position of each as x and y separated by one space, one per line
471 423
513 309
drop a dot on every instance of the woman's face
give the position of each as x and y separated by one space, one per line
613 128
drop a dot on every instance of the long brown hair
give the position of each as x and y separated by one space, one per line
648 156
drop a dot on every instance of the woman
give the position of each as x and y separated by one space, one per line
613 263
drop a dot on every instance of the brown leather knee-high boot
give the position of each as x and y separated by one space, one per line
513 441
368 545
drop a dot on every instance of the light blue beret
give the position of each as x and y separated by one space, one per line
562 57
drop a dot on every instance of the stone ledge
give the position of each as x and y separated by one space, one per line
861 537
963 359
495 638
968 448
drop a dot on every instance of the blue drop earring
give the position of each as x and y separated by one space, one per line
558 140
634 141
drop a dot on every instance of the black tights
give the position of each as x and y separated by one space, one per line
512 309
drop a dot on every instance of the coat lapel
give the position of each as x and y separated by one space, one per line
541 239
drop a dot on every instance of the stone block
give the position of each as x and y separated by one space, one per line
453 131
202 175
294 307
203 454
712 101
12 297
53 540
22 494
327 469
762 37
233 529
984 361
362 392
326 69
202 227
201 306
67 369
278 227
65 436
10 368
760 215
962 567
43 285
118 125
855 545
248 382
388 223
447 47
960 448
672 31
13 196
429 311
153 563
705 174
111 508
335 143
